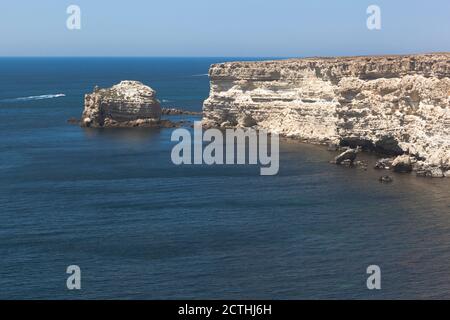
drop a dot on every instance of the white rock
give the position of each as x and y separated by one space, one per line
126 101
402 164
406 98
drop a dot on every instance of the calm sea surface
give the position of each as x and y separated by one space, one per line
112 202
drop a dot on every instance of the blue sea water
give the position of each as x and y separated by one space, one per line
139 227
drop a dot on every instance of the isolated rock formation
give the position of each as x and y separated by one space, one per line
389 104
129 103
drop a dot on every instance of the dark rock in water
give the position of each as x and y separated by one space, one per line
74 121
385 163
175 111
385 179
389 146
356 164
170 124
361 164
349 155
345 162
402 164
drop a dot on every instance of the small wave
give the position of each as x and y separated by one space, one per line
31 98
201 75
165 100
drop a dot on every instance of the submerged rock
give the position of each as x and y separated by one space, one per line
385 179
121 105
73 121
361 164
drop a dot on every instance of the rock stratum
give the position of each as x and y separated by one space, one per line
129 103
390 104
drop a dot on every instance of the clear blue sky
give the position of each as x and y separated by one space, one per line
222 28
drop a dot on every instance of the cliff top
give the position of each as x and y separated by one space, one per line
334 68
128 90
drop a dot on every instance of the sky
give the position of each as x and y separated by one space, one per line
225 28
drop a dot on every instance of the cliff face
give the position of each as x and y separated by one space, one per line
123 103
391 104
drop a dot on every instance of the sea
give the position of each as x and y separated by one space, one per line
112 202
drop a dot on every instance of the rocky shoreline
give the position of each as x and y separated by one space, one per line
396 106
400 164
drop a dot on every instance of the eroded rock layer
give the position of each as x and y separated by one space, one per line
391 104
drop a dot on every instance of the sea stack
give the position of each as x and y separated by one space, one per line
392 105
129 103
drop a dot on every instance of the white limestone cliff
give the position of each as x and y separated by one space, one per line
390 104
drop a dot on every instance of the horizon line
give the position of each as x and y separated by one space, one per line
225 56
125 56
